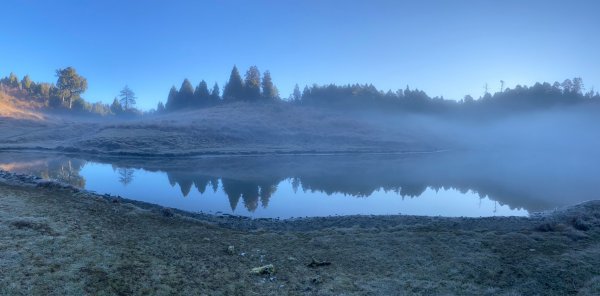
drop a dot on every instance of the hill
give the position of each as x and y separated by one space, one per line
14 107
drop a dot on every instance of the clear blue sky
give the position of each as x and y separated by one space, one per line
449 48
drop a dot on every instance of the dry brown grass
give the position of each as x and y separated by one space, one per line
14 108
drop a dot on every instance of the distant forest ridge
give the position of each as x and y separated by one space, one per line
65 94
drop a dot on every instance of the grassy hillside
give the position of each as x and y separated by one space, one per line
237 128
16 108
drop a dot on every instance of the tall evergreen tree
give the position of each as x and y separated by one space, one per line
172 99
127 98
201 94
13 80
234 89
116 107
269 90
296 95
160 108
215 94
185 98
252 84
26 83
306 92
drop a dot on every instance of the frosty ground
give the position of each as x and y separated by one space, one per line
63 241
238 128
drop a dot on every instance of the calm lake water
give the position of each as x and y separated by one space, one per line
441 184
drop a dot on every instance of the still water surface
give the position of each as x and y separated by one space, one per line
322 185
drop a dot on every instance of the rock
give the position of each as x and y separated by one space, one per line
266 269
231 250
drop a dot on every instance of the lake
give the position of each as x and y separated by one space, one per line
436 184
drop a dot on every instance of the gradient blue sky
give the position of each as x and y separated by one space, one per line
449 48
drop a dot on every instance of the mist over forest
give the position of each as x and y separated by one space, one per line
548 117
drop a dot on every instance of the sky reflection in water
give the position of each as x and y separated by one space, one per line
299 186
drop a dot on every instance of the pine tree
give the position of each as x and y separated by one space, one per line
252 84
172 99
127 98
201 94
26 83
185 98
215 94
160 108
296 95
305 92
116 107
234 88
269 90
13 80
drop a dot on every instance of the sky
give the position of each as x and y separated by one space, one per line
447 48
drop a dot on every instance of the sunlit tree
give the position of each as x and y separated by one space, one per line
26 83
269 90
185 97
234 89
252 84
70 84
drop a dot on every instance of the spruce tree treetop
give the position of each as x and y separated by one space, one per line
201 94
13 80
160 108
252 84
269 90
171 99
296 95
215 94
234 89
26 83
185 98
116 107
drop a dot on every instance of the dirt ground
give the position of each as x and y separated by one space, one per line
58 240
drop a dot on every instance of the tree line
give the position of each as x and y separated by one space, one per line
66 93
252 88
366 96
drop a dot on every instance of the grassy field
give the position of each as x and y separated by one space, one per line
238 128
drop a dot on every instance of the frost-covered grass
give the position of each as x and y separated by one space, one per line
57 242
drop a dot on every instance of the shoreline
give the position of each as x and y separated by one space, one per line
107 154
101 244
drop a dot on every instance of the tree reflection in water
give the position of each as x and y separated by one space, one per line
125 175
254 180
